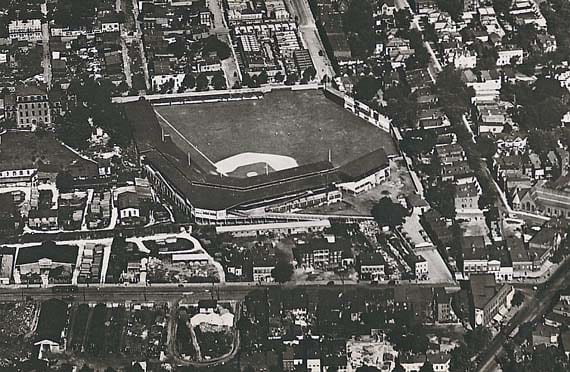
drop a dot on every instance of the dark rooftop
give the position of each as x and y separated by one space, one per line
55 252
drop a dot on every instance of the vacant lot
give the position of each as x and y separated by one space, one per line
303 125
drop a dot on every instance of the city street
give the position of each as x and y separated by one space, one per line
45 47
531 311
310 35
169 292
435 66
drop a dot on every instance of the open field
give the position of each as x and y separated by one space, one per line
301 124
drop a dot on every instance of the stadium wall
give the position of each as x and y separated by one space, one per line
359 109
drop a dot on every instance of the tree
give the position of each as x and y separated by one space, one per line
282 272
461 360
123 87
358 22
502 6
189 81
541 141
478 338
213 44
403 19
518 298
278 77
309 73
64 181
453 93
366 88
453 7
74 128
388 213
202 82
427 367
219 80
442 197
398 367
262 78
418 142
420 58
486 146
248 81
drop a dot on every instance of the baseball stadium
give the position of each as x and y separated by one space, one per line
226 157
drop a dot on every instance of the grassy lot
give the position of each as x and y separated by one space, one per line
303 125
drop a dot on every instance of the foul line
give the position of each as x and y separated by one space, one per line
185 139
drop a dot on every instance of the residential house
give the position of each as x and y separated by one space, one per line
491 119
262 268
110 23
451 153
29 107
452 172
43 219
7 255
371 266
51 328
321 253
425 6
25 30
132 209
546 335
443 309
467 195
533 166
509 55
10 219
510 143
462 59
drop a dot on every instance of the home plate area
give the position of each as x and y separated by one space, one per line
250 164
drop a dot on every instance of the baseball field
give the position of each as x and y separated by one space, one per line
300 125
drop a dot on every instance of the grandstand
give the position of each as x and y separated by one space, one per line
291 150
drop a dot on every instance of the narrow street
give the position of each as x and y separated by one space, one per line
309 34
139 38
220 28
46 62
435 66
124 48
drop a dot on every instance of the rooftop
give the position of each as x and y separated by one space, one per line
483 288
38 150
56 252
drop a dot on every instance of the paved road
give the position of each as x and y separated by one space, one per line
125 50
310 35
531 311
45 47
435 66
164 293
139 39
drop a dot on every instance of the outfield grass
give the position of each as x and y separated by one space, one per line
303 125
